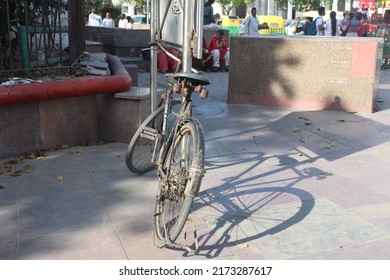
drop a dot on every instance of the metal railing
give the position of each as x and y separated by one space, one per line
33 36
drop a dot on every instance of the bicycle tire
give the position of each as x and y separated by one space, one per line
142 145
177 192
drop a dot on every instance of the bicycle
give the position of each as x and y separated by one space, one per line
176 148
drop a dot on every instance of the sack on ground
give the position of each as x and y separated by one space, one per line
311 29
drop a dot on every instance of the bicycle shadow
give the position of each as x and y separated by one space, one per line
246 207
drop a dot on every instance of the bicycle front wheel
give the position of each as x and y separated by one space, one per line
144 142
183 168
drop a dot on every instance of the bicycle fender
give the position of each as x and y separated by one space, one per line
195 172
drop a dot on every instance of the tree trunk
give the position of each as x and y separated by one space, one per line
76 28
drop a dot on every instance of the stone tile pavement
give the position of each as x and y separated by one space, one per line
279 185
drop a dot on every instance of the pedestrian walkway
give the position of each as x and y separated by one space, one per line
279 184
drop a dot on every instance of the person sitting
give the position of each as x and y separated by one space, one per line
165 63
219 50
205 63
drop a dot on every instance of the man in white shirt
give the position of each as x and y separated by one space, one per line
123 21
94 19
108 21
252 25
320 22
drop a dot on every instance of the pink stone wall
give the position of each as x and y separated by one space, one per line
305 72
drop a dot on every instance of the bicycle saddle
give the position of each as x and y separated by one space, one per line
195 79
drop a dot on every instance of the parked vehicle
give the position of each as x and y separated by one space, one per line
314 15
138 19
287 22
230 21
292 30
275 23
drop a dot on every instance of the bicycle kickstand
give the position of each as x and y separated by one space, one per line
175 245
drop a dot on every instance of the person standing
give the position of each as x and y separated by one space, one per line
345 17
359 17
333 25
352 26
122 21
108 21
130 22
218 48
94 19
252 25
320 24
208 14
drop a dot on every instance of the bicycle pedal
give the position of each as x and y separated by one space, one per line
150 133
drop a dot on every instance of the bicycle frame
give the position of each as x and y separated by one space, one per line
184 113
180 147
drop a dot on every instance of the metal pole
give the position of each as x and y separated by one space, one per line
187 35
154 27
147 11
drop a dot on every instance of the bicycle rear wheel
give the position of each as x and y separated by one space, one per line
183 166
144 142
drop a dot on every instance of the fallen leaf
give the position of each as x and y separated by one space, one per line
244 245
28 168
30 156
16 173
60 177
328 147
212 195
4 170
297 130
18 160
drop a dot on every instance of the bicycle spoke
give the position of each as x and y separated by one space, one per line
145 144
173 202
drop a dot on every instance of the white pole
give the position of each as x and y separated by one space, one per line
335 5
268 7
289 10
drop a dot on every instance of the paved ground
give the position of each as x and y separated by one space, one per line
280 184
